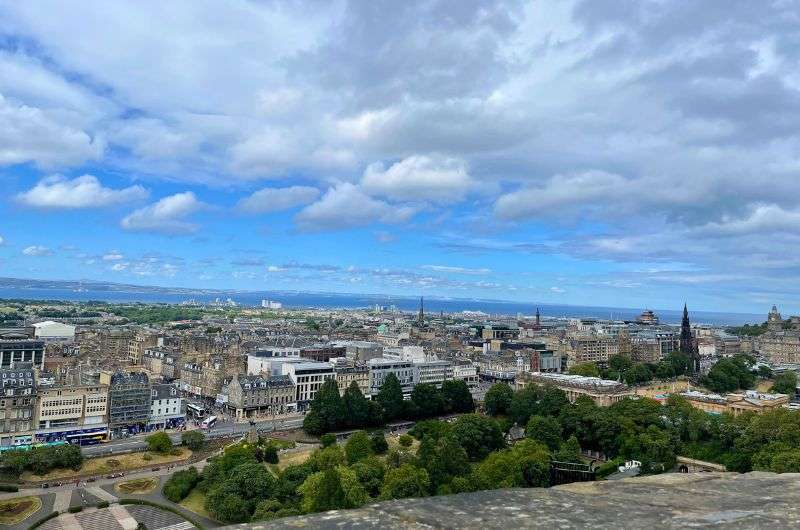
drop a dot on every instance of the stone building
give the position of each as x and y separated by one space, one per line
73 413
17 404
347 373
19 347
129 402
602 391
252 396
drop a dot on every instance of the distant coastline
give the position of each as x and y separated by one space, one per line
85 290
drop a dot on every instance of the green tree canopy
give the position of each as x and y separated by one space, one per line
390 397
358 447
478 435
457 397
544 429
194 440
405 481
159 442
497 401
327 410
427 400
786 383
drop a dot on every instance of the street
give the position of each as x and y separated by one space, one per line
221 429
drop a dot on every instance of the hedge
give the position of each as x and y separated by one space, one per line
144 502
43 520
102 504
75 509
9 487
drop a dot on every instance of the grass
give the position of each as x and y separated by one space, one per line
394 443
296 457
141 486
13 511
110 464
280 444
196 502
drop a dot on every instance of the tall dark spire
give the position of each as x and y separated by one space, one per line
538 320
687 342
421 316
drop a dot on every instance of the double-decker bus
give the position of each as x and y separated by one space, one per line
195 411
209 422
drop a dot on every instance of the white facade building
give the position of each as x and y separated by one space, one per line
380 368
432 372
270 361
167 409
308 377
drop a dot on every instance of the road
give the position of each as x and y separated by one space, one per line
220 430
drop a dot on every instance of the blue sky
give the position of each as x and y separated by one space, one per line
592 153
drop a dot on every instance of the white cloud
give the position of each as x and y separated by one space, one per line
29 134
347 206
420 178
167 216
277 199
557 290
80 192
113 256
457 270
2 241
275 268
37 251
118 267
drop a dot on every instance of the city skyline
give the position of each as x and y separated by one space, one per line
553 152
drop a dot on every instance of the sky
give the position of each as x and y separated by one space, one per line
600 152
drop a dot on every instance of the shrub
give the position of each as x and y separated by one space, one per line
40 522
75 509
357 447
9 487
194 440
327 439
147 457
180 484
379 443
406 440
270 454
102 504
159 442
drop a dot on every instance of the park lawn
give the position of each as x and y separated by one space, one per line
394 443
13 511
100 466
196 502
281 444
296 457
139 486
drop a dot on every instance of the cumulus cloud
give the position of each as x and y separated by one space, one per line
37 251
167 216
420 178
113 256
346 206
81 192
270 200
29 134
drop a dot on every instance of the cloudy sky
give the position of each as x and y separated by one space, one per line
596 153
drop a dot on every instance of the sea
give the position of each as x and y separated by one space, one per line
303 300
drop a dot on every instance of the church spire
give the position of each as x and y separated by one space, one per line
421 316
687 342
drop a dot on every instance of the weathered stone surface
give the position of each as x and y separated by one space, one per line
719 500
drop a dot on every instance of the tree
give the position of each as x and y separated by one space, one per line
765 372
270 454
406 440
326 458
328 409
569 451
730 374
638 373
327 440
159 442
180 484
370 472
224 504
333 489
357 447
194 440
786 383
357 409
585 369
390 397
478 435
497 401
427 400
546 430
551 401
443 459
457 397
525 404
379 443
252 482
405 481
429 428
525 464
